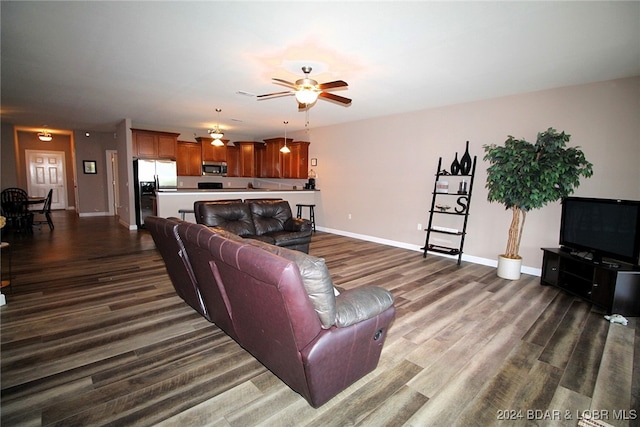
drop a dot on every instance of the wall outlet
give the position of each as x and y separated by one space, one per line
349 216
419 226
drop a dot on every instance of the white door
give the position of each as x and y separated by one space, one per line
45 171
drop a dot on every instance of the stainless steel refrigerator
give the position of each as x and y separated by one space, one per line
149 176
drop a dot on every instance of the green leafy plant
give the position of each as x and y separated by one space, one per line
525 176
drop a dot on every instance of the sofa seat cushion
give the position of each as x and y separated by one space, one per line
287 238
355 305
315 278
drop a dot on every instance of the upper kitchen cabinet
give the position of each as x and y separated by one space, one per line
272 166
296 163
148 144
211 153
243 158
275 164
189 158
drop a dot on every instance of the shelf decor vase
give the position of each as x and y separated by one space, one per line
465 162
455 166
509 268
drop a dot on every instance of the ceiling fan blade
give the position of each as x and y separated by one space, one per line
274 95
284 82
336 98
332 85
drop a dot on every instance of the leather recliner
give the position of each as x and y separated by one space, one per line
280 305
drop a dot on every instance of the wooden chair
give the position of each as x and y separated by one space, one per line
15 209
44 212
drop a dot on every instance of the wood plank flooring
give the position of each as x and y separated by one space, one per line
93 334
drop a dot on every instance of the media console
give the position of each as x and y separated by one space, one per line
612 287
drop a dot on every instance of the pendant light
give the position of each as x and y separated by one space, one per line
44 136
216 134
285 149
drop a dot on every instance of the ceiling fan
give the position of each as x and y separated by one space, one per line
307 90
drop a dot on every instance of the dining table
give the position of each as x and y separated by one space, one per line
35 200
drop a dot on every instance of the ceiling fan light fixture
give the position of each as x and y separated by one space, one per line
44 136
217 142
307 96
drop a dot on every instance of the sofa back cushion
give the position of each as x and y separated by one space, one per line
164 234
270 215
315 278
231 216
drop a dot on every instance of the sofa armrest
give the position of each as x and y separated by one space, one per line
298 224
360 304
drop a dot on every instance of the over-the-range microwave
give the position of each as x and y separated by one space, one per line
214 168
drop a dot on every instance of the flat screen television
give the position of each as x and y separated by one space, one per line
601 228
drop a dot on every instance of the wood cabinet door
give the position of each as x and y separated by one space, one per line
212 153
247 159
604 287
189 159
145 145
167 147
273 162
300 159
233 160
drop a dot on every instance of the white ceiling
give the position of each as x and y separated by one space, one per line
169 65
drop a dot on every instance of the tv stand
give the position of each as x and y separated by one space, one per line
608 285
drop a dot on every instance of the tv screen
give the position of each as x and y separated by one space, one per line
606 228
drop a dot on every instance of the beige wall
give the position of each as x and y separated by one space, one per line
381 171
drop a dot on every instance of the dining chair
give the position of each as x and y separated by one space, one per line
14 202
44 212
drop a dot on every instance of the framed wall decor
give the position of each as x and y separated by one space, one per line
89 166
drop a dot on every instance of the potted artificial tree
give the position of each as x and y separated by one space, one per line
524 176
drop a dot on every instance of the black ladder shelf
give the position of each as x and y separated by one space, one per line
463 203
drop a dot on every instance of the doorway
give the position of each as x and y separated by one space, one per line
45 171
112 182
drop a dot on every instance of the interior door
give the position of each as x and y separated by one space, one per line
45 171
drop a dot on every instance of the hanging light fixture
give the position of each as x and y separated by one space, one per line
216 134
285 149
44 136
308 91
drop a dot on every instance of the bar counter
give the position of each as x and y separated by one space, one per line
169 202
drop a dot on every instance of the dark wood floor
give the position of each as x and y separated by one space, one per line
93 334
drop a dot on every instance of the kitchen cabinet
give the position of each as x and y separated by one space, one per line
296 163
148 144
273 160
242 159
212 153
189 158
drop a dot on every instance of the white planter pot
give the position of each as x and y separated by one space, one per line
509 268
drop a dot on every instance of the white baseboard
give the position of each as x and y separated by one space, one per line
470 258
87 214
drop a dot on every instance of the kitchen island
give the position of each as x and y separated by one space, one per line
169 202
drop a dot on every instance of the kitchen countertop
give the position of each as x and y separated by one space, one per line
169 203
232 190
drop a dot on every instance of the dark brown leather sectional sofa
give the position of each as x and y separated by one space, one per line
279 305
268 220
